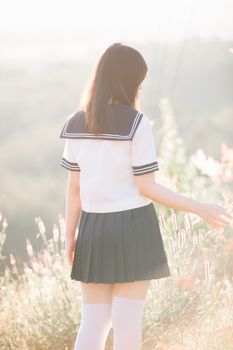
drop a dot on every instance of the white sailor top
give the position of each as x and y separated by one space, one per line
108 162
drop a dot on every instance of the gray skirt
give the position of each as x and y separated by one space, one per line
122 246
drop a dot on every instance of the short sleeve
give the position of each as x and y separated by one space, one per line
143 152
69 160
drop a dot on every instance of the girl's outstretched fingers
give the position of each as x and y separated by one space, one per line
215 215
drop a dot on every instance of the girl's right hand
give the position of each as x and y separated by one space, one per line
214 215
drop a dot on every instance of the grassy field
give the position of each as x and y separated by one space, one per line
40 308
191 310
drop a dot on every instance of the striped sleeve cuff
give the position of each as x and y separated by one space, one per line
145 168
70 165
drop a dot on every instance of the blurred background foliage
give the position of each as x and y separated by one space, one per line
36 98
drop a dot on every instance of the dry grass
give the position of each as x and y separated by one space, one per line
191 310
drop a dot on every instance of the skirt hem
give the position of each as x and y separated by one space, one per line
119 281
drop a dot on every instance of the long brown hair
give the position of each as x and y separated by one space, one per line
116 78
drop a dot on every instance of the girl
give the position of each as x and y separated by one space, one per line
111 157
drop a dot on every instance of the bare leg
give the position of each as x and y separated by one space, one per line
137 289
96 292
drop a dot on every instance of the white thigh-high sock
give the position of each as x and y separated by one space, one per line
126 322
94 327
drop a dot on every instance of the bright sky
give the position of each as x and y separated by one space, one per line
97 23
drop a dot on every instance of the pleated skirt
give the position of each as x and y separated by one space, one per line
122 246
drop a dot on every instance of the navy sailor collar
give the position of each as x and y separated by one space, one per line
121 122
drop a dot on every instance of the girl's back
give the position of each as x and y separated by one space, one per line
109 161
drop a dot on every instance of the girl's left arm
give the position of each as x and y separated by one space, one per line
73 211
73 204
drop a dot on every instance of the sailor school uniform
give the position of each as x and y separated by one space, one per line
119 237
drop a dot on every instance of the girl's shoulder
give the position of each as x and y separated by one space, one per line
73 124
